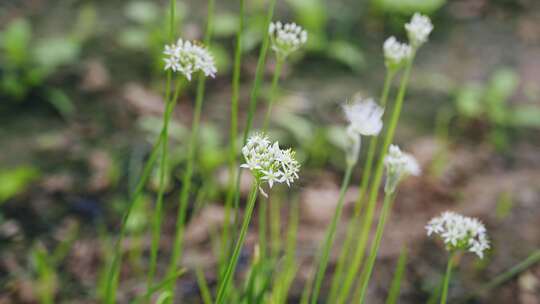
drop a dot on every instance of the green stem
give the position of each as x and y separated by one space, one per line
387 206
158 212
273 92
223 287
275 224
234 129
374 190
330 234
192 145
113 273
263 215
447 275
233 195
395 287
354 222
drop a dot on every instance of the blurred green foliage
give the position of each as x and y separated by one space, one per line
16 181
408 7
490 102
28 61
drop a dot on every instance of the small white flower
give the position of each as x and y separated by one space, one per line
418 29
460 232
396 53
364 116
268 162
187 58
398 165
286 38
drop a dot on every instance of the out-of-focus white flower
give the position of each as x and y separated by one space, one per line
418 29
395 53
189 57
364 116
459 232
286 38
268 162
398 165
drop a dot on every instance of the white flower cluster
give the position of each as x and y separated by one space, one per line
396 53
418 29
286 38
268 162
364 116
460 232
189 57
398 164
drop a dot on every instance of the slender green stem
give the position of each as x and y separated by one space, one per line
224 285
275 224
273 91
158 212
233 132
203 286
358 253
387 206
329 238
447 275
233 195
366 176
263 215
395 287
192 146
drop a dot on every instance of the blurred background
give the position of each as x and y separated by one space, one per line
81 86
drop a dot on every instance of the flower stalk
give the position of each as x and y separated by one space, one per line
446 281
192 144
366 176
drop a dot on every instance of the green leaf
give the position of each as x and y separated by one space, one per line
16 41
469 101
407 7
502 86
61 102
525 116
143 12
51 53
16 181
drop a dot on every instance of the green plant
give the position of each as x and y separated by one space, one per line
490 103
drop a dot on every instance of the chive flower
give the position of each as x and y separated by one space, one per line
268 162
398 165
459 232
189 57
365 118
418 29
286 38
396 53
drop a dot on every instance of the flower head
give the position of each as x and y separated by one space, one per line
364 116
286 38
459 232
396 53
268 162
398 165
189 57
418 29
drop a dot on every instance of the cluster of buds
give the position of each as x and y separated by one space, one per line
418 30
268 162
365 119
398 165
460 232
396 53
189 57
286 38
